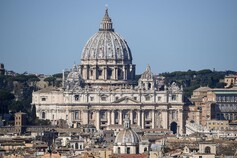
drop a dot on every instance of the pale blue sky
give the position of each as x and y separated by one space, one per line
46 36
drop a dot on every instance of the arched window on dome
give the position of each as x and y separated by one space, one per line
100 72
207 150
120 74
91 74
109 73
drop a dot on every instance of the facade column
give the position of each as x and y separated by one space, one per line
109 117
116 73
97 120
94 73
139 118
165 119
153 119
84 72
124 73
142 119
105 73
180 121
85 118
131 117
120 117
112 117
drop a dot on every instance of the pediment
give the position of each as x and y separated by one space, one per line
126 100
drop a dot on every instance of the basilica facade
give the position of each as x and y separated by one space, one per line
102 90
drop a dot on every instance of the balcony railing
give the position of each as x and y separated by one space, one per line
147 119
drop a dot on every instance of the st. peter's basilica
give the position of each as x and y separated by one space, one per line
102 90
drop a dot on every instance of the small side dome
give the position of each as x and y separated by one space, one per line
127 136
74 75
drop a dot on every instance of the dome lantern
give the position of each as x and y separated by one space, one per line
106 23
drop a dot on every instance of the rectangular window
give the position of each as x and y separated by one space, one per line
159 98
135 98
76 115
43 99
103 98
76 97
100 72
173 97
92 98
147 98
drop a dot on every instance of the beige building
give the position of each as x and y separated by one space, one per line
224 103
230 81
102 90
218 125
200 112
206 150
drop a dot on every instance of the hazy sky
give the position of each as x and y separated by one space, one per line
46 36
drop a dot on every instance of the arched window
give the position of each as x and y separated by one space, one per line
149 86
120 74
76 146
145 149
128 150
100 72
207 150
43 115
109 73
119 150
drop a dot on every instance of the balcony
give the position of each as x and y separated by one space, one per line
103 124
103 119
148 125
147 119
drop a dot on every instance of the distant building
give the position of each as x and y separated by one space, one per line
223 103
218 124
20 122
2 69
230 81
200 112
206 150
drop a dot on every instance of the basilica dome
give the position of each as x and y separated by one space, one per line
107 45
106 58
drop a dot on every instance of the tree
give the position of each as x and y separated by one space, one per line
5 98
51 80
58 75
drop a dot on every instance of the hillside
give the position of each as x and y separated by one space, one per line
16 95
190 80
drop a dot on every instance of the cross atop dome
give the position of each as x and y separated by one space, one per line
106 23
